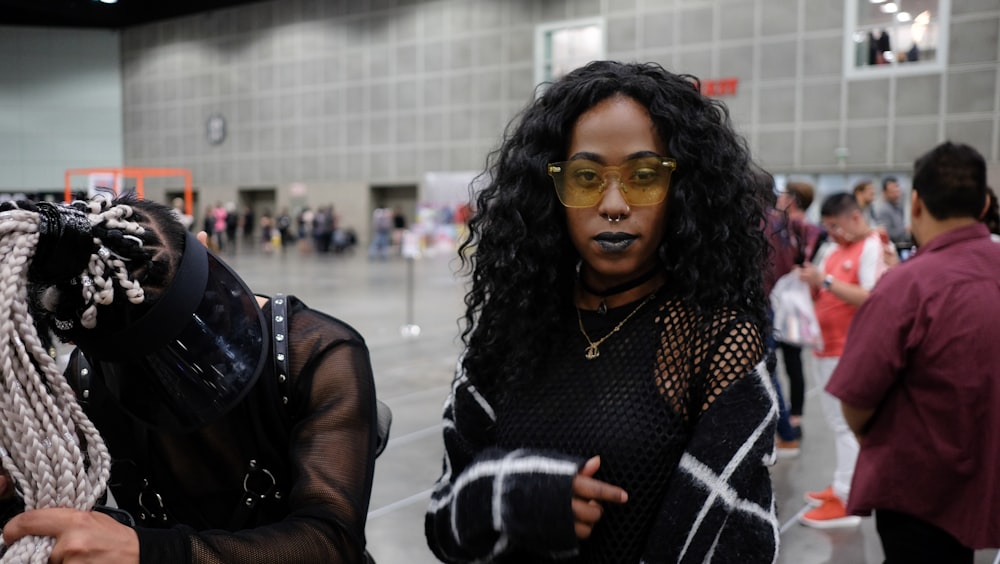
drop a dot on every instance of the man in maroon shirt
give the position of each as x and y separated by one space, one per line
920 376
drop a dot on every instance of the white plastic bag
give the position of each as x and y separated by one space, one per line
794 316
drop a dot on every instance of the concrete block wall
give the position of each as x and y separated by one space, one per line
380 92
338 94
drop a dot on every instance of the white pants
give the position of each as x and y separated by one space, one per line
846 443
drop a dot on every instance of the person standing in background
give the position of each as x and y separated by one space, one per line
219 215
864 196
248 223
381 234
232 225
794 201
889 214
919 380
841 282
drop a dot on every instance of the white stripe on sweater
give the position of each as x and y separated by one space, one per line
490 468
718 485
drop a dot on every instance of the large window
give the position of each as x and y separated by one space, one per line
895 37
563 46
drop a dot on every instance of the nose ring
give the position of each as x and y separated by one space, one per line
614 219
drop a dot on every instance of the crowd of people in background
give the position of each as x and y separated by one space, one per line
322 231
893 356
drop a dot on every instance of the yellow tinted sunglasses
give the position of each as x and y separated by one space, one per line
643 181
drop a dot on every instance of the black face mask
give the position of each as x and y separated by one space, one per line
194 355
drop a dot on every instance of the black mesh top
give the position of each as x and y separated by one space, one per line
631 406
319 448
677 413
605 407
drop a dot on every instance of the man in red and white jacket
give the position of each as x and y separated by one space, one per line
841 280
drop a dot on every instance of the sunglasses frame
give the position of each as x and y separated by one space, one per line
557 169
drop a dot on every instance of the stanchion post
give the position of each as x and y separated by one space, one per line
411 252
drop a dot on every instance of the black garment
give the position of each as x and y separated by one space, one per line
908 540
319 448
676 411
792 355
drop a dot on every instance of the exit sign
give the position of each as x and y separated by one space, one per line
719 86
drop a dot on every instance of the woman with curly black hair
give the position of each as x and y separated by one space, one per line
608 406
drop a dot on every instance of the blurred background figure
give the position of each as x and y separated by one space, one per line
381 234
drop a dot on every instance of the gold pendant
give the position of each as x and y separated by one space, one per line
592 352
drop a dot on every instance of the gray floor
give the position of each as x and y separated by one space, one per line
413 375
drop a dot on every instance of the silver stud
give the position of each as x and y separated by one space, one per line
281 378
86 394
85 372
281 357
104 253
279 318
279 337
284 400
279 301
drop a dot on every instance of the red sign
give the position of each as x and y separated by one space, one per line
719 87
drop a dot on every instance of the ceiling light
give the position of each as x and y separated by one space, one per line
876 1
890 8
904 16
108 1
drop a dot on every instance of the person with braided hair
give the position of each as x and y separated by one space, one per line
611 404
227 427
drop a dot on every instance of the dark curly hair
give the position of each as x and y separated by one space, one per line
518 252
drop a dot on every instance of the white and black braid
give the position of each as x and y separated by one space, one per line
97 286
47 444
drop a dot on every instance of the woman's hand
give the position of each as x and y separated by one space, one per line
588 494
82 537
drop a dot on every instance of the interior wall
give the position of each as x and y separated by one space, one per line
60 105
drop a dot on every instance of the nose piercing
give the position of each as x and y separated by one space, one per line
614 219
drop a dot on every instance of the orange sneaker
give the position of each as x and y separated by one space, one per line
832 514
816 499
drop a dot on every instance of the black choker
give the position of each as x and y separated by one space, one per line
602 308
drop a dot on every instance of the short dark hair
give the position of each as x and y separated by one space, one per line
802 192
887 180
951 181
838 204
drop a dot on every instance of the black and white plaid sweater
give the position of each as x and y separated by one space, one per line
682 417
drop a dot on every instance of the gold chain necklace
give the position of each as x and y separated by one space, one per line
592 351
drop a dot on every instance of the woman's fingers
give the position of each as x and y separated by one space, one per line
593 489
588 493
586 514
590 467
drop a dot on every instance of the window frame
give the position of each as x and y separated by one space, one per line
938 65
543 34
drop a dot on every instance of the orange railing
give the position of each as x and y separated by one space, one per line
139 174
